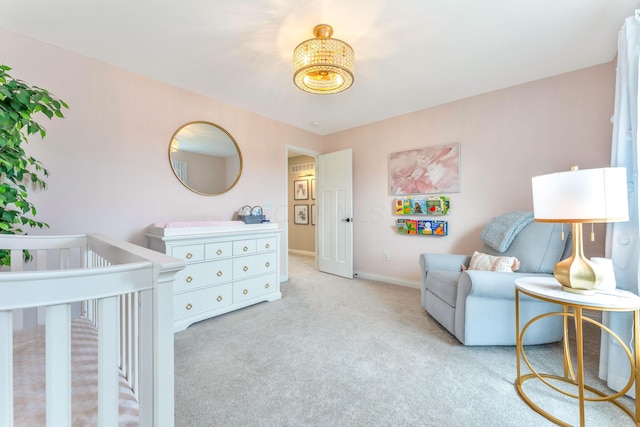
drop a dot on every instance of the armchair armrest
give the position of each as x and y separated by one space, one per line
489 284
447 262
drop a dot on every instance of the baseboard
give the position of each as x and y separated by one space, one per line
299 252
385 279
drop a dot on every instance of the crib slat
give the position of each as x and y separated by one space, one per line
17 263
133 343
147 365
42 264
124 334
58 365
65 258
6 368
41 256
108 362
128 339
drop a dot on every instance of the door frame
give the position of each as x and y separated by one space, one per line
306 152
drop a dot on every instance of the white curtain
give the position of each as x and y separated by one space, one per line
623 238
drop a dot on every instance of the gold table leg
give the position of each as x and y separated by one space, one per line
577 313
636 353
569 375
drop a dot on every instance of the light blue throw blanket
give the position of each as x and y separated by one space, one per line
501 230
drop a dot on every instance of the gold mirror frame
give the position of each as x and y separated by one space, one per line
210 152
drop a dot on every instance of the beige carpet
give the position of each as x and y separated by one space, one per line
339 352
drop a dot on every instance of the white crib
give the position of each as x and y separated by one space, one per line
124 290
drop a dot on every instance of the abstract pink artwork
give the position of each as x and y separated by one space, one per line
425 171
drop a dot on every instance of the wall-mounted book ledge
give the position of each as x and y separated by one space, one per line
430 205
424 227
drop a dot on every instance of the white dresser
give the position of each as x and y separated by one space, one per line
228 267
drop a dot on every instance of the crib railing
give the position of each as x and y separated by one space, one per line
124 289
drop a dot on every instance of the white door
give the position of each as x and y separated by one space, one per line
335 213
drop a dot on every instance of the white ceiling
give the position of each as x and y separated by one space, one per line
410 54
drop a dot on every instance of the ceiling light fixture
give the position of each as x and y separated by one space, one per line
323 65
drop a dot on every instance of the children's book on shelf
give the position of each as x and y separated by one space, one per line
407 226
432 228
430 205
423 227
399 206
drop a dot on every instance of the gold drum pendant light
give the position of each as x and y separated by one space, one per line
323 65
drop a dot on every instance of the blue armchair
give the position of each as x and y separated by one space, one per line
478 307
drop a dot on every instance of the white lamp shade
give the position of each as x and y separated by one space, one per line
590 195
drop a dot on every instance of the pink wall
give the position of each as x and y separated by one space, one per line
110 171
506 137
108 158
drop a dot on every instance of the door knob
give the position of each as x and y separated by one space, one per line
348 219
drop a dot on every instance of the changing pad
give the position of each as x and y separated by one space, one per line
185 228
174 224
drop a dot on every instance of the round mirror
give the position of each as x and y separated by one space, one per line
205 158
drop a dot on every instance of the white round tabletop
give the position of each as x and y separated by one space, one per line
549 288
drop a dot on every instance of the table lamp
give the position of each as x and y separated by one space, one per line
577 197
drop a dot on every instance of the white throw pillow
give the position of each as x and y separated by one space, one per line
480 261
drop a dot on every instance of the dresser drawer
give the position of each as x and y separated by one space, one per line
241 247
254 287
218 250
255 264
202 274
188 252
266 244
199 301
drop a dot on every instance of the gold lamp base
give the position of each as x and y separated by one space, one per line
576 273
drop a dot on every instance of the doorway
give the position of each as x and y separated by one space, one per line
300 231
328 218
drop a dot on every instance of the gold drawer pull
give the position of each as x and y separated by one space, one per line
189 255
219 252
266 264
266 286
189 306
266 246
245 249
219 298
189 279
245 268
245 292
219 273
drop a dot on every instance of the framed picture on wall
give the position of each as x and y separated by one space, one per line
429 170
313 189
301 190
301 214
313 214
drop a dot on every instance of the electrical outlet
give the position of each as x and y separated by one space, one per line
386 256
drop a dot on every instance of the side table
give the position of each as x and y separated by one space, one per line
548 289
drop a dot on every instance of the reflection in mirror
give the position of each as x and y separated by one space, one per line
205 158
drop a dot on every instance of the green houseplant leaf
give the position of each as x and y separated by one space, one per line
20 106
